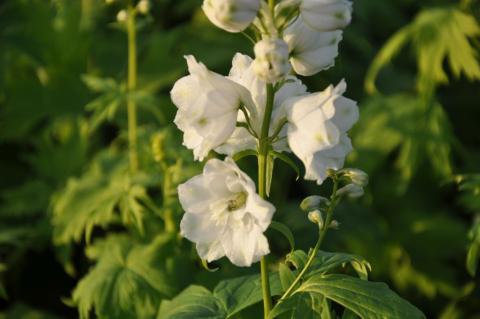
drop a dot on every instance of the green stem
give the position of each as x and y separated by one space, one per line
271 5
263 150
321 237
131 87
170 225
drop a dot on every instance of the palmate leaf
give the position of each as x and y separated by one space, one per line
129 279
194 302
366 299
437 35
416 131
105 194
21 311
228 299
473 254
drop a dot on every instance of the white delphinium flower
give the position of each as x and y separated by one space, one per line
326 15
271 59
317 130
311 51
224 216
207 105
242 72
231 15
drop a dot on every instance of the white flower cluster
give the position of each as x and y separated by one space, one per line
224 215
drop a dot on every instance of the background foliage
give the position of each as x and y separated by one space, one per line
76 230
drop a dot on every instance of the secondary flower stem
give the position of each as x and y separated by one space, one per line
263 150
321 237
131 86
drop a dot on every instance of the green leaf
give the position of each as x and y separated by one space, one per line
298 259
438 35
286 159
128 280
228 299
92 200
195 302
325 262
386 54
285 231
239 293
287 277
366 299
99 84
473 255
301 306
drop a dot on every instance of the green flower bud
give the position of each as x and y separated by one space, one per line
313 202
351 190
334 224
357 176
316 217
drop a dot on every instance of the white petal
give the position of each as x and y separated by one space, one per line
210 251
200 228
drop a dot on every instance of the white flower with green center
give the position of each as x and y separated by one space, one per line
326 15
311 51
208 105
231 15
224 216
317 130
242 72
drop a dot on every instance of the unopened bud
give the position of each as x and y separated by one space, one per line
357 176
271 60
143 6
313 202
351 190
284 10
122 16
316 217
334 224
109 1
231 15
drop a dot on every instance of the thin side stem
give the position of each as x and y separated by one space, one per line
131 87
263 150
321 237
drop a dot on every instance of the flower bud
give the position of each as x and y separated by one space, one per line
284 10
313 202
109 1
271 60
316 217
357 176
334 224
143 6
351 190
326 15
231 15
122 16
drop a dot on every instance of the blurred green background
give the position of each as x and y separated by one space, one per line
73 220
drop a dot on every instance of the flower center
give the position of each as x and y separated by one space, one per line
237 201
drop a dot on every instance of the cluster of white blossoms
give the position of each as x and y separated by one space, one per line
224 215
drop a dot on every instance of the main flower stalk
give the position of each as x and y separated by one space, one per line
263 154
131 87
